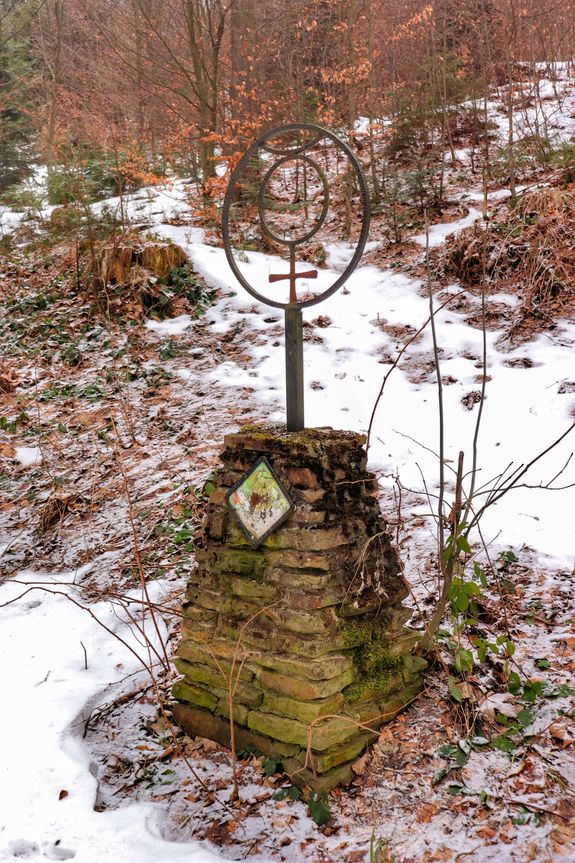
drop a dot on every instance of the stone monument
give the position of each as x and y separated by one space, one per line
293 635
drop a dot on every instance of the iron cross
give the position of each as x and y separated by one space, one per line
292 275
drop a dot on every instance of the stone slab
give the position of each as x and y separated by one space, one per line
201 723
305 711
302 688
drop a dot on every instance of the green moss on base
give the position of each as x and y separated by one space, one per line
378 671
376 686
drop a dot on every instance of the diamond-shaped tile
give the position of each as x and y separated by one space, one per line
259 502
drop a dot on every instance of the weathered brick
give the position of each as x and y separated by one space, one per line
241 562
311 539
192 611
342 753
191 652
303 777
194 694
247 587
308 495
221 649
310 601
263 636
413 667
321 623
393 705
217 522
303 688
300 560
302 477
202 723
218 497
240 711
366 713
209 600
245 693
298 579
323 735
279 727
403 643
303 514
324 668
202 631
305 711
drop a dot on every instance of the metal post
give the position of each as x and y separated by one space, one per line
294 368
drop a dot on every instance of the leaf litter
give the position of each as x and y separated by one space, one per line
84 399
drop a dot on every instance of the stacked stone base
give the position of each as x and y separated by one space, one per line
309 628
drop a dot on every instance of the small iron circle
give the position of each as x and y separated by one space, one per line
262 208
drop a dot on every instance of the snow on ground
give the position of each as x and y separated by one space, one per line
9 220
524 411
437 234
47 790
28 455
346 355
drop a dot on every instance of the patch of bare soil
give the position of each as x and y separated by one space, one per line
389 255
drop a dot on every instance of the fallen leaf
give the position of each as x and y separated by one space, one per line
485 832
499 702
63 793
562 838
426 812
562 730
360 765
169 750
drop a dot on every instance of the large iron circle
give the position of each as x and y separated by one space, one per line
262 208
320 134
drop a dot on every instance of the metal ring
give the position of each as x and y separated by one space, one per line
299 148
262 209
229 197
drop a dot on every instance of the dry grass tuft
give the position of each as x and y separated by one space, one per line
529 250
57 508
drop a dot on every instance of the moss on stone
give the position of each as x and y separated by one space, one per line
241 562
375 686
357 632
378 666
194 695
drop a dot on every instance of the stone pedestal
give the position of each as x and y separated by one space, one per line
325 658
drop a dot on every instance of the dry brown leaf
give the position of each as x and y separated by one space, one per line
360 765
8 381
485 832
566 810
562 730
562 838
426 812
169 750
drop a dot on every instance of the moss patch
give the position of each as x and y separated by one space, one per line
372 652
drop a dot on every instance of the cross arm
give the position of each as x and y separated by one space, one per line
308 274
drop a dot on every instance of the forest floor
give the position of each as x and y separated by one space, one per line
110 427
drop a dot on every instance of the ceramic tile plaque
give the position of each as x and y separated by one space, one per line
259 502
